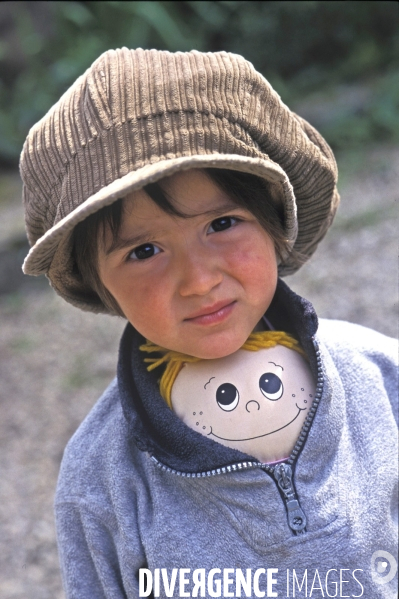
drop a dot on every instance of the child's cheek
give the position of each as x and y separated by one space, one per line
146 305
253 263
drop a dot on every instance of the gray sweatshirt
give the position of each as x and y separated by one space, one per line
145 506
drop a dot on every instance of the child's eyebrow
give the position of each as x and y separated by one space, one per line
148 236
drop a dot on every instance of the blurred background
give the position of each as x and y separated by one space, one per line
334 63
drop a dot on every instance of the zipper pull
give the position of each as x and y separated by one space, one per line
296 517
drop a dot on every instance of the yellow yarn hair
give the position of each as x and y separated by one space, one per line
175 360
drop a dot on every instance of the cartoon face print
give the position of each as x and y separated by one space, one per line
256 401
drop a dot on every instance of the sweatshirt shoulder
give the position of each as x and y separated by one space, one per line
105 416
345 338
364 359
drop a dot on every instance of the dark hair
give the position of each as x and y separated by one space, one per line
245 190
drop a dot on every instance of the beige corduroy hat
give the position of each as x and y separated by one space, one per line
136 116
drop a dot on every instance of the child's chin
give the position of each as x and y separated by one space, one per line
212 350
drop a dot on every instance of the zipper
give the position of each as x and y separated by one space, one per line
215 472
296 518
283 472
316 400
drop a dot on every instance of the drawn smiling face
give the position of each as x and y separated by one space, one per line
252 401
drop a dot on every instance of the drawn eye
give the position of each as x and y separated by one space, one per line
227 397
271 386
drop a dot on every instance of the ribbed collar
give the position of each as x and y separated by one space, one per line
156 429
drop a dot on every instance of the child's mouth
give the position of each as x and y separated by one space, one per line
212 314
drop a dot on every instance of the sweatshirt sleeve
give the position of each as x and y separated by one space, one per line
100 490
88 556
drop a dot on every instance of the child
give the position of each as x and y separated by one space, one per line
173 189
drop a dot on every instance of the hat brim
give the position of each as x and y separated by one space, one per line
40 256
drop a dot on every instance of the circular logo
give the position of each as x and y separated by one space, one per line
383 567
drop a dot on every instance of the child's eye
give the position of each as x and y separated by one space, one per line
142 252
222 223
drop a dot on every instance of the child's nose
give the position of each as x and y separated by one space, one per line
199 275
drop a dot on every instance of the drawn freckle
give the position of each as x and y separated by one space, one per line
305 401
204 427
197 423
310 395
302 389
293 395
194 413
201 413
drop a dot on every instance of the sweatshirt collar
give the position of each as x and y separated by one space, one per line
156 429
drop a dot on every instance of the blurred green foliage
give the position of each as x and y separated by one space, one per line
341 55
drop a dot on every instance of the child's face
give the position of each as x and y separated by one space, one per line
196 285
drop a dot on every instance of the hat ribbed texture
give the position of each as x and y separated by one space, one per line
136 116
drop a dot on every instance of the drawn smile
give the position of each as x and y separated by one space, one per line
259 436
